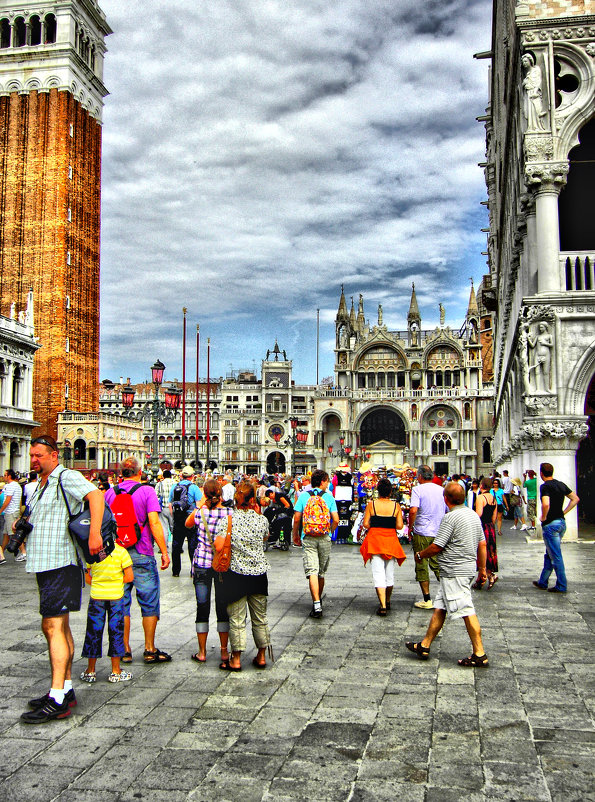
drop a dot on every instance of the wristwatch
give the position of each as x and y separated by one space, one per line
417 555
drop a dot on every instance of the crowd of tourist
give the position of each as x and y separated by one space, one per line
227 522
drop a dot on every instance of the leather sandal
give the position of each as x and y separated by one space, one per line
381 611
423 652
474 661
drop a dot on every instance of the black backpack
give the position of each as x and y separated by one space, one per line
180 502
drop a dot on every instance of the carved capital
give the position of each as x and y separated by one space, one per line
546 176
555 435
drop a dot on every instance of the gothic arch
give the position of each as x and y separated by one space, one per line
582 106
397 428
573 402
326 414
400 361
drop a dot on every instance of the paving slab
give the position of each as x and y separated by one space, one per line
346 713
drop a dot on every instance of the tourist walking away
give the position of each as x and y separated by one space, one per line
501 503
140 523
382 519
516 502
106 600
210 520
425 514
183 499
316 512
506 485
11 511
245 585
487 509
553 527
163 489
472 494
530 485
459 545
53 558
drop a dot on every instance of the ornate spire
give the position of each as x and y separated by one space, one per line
352 314
413 314
361 320
472 309
342 311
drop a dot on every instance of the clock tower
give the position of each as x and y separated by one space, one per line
51 100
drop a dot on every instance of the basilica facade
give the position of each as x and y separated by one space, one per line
539 168
411 396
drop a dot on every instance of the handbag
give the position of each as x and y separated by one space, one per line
221 557
80 524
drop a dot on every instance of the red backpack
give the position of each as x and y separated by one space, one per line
122 506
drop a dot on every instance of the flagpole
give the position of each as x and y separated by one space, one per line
196 432
184 392
208 400
317 341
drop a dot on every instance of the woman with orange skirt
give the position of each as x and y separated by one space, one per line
381 546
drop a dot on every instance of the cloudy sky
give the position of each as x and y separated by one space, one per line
257 154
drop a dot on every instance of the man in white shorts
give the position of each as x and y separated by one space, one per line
460 546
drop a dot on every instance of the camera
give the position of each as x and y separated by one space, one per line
18 537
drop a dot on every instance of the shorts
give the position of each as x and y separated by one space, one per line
317 554
60 590
146 584
518 512
532 508
454 596
422 573
96 615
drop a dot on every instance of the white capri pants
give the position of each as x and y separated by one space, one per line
383 571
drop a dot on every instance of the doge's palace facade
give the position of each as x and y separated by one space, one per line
540 135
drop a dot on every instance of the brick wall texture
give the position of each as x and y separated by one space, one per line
538 9
50 163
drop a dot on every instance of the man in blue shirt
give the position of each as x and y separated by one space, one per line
180 511
320 518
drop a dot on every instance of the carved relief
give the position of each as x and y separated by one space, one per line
554 173
539 147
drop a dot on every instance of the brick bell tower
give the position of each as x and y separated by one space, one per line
51 100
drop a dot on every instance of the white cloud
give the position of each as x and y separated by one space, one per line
258 154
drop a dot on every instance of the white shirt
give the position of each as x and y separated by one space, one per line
13 491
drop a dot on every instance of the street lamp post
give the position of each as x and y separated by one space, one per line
154 410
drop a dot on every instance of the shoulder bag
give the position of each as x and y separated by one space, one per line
80 524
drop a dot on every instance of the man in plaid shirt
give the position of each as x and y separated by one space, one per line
53 558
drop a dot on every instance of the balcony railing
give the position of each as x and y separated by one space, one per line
401 393
578 270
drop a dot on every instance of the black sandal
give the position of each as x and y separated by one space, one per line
156 657
474 661
423 652
381 611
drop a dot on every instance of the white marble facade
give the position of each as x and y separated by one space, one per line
17 347
541 260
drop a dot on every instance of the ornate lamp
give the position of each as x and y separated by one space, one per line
157 372
128 394
173 397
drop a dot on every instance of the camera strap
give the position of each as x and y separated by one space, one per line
37 496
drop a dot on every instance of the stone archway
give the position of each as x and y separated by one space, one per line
276 462
383 424
585 462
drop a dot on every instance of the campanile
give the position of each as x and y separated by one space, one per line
51 100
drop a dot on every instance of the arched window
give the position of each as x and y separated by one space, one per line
380 380
16 385
35 30
80 449
413 411
390 380
20 32
467 411
487 451
441 444
50 29
575 207
4 33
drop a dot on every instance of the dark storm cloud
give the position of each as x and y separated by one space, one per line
258 154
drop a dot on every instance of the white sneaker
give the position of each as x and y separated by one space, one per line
20 558
424 605
524 528
513 527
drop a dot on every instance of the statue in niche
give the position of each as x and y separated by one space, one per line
414 335
13 311
540 368
473 333
380 314
343 342
442 314
532 83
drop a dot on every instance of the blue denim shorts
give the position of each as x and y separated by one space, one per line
146 584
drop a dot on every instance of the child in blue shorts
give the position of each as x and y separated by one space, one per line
107 580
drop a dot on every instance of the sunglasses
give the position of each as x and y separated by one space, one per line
43 441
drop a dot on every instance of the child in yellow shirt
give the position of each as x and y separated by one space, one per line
107 580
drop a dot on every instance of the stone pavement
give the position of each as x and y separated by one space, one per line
345 713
